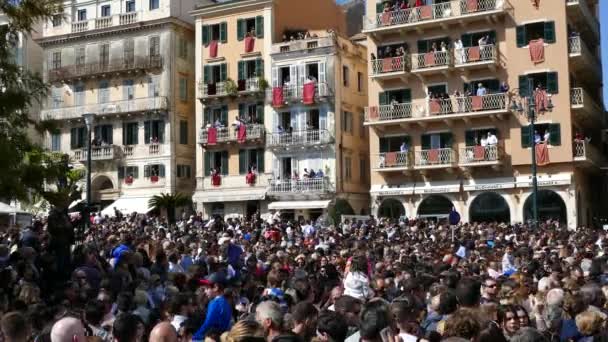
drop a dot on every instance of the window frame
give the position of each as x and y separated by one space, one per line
57 20
153 2
183 132
103 10
183 89
347 122
348 172
345 76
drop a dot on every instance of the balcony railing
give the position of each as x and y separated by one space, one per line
302 44
421 61
468 104
230 134
388 112
295 93
389 65
574 45
103 22
300 138
479 154
142 151
583 151
427 14
389 160
76 71
97 153
149 104
475 54
302 186
585 16
435 157
80 26
216 89
577 96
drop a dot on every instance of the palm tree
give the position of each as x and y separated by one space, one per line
169 202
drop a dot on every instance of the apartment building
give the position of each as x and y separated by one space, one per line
239 50
129 63
448 106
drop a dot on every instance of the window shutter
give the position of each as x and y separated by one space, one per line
384 145
552 84
550 32
259 112
426 142
555 135
521 36
446 139
224 162
243 162
135 135
383 98
147 126
135 172
110 134
205 35
121 172
207 74
259 26
240 29
223 72
161 132
242 111
469 138
224 114
179 171
146 171
183 132
207 164
73 138
161 170
379 7
259 67
407 95
260 161
188 171
124 133
524 89
223 32
423 46
526 137
206 116
241 71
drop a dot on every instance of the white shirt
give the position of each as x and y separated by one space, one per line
484 142
492 140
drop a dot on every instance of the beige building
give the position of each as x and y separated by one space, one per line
129 63
446 130
246 52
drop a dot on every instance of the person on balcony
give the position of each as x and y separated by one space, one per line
459 51
320 174
547 137
218 123
433 47
296 176
481 90
373 57
492 140
444 46
537 138
237 123
484 141
312 174
504 87
154 140
404 148
306 174
483 45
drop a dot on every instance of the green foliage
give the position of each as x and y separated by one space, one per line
263 84
231 88
342 207
169 202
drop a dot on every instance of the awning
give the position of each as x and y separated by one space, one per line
231 196
299 205
128 205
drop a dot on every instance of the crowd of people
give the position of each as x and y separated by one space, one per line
140 278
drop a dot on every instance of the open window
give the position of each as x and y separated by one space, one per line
475 136
251 158
284 76
216 32
215 73
391 50
395 96
544 80
394 143
437 90
252 112
217 160
434 44
312 70
154 131
473 39
157 170
550 133
250 27
492 86
437 140
533 31
216 115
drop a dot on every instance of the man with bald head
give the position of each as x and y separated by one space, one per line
163 332
68 329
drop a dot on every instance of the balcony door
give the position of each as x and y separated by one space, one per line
398 95
436 90
437 140
286 167
128 90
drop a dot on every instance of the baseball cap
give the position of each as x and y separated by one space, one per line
214 278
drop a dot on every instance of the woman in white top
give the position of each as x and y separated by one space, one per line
356 283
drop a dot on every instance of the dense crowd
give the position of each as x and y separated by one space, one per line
139 278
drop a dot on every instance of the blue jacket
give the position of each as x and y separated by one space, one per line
218 318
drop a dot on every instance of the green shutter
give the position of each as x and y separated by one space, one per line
135 171
423 46
555 135
124 133
521 36
259 67
242 110
469 138
147 129
207 74
183 132
206 116
223 72
447 140
260 161
161 132
224 115
524 86
259 26
146 171
207 164
224 162
526 137
205 35
552 84
243 162
426 142
223 32
259 112
550 32
241 71
240 29
407 95
379 7
384 145
161 170
73 138
121 172
383 98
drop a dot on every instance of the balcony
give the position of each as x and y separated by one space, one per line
585 152
432 62
237 182
476 57
143 105
583 63
439 15
286 95
117 66
490 155
98 153
434 158
105 22
585 106
227 135
312 138
211 90
391 161
314 186
390 68
145 151
453 108
302 45
581 15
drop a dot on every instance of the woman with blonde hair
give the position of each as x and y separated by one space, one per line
244 331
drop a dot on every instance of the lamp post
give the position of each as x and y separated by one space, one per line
529 106
88 119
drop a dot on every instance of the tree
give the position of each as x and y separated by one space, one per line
342 207
169 203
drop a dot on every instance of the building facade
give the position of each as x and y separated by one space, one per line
129 63
448 111
240 52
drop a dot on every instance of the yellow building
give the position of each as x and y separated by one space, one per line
246 52
130 64
448 126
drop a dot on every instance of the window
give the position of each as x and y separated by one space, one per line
104 92
550 133
132 171
78 137
533 31
362 128
472 39
129 51
252 113
104 134
544 80
183 132
154 46
250 27
395 95
345 80
154 4
130 131
79 94
216 160
130 6
57 97
57 20
215 73
56 60
106 11
437 140
128 90
182 48
183 89
80 55
216 32
394 143
218 114
184 171
427 45
104 54
347 168
474 137
492 86
347 122
82 15
249 69
55 142
154 170
363 168
154 131
154 86
360 81
251 158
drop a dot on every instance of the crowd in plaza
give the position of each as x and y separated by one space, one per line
139 278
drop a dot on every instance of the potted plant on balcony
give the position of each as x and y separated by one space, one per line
231 88
262 85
